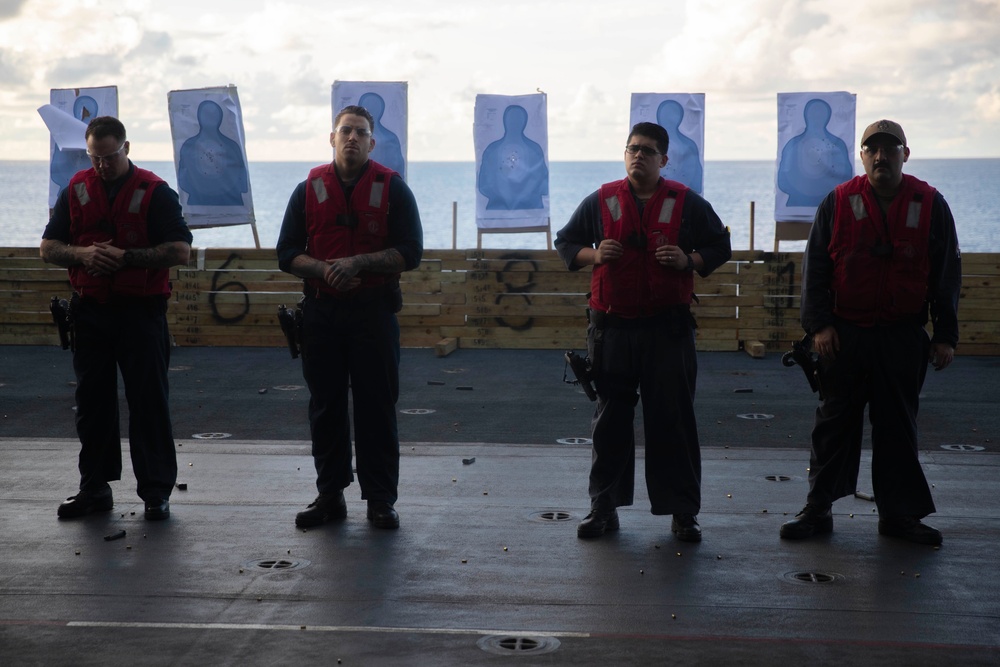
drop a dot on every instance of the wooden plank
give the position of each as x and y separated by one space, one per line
29 338
513 263
506 333
222 287
512 306
978 328
420 309
439 298
788 331
445 347
534 282
236 260
30 251
716 346
444 253
228 339
235 297
36 271
977 284
562 322
518 294
500 253
991 349
519 343
207 311
715 300
235 275
754 348
707 333
28 317
703 289
982 312
981 264
432 277
431 322
207 320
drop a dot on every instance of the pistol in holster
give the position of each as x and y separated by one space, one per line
62 315
801 354
586 369
291 325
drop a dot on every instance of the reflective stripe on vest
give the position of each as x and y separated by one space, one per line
667 209
135 205
320 189
615 207
81 193
375 199
913 213
858 207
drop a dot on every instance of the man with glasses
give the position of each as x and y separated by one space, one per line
645 237
881 254
349 230
119 229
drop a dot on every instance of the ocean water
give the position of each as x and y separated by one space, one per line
971 188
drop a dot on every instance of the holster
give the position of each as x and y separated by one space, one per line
587 368
62 314
291 325
801 354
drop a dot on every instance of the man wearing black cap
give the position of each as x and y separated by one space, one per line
882 255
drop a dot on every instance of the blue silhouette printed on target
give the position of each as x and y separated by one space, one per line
513 174
682 115
210 168
83 105
388 151
815 161
684 163
66 162
386 101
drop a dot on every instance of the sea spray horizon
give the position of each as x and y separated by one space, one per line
969 185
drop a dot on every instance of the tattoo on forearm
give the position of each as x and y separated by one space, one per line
60 254
384 261
162 256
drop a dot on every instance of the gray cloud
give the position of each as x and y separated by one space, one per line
11 74
11 8
152 45
75 70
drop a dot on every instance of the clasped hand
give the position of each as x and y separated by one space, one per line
342 274
102 258
670 256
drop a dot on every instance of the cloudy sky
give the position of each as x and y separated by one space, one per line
933 65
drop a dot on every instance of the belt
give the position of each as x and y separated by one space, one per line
672 314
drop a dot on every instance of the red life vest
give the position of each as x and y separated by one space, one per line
337 228
93 219
636 285
881 264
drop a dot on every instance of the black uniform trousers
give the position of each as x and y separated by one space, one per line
353 344
884 368
658 359
132 336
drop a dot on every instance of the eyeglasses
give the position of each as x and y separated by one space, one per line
98 159
346 131
888 149
647 151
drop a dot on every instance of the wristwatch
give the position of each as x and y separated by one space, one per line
129 257
690 266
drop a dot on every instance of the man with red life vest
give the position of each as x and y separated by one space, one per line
119 229
645 237
349 230
881 253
